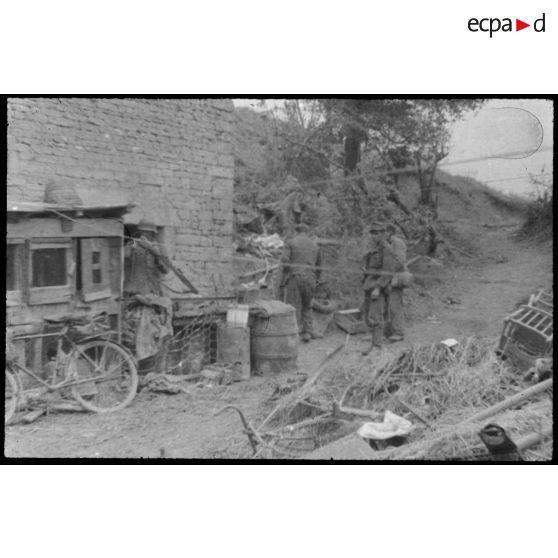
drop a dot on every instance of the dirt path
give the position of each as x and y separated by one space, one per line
183 426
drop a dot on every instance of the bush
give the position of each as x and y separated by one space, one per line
539 217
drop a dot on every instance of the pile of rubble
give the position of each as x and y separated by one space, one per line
446 401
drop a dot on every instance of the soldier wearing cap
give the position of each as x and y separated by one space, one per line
144 262
301 256
381 263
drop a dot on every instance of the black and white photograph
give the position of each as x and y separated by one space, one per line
279 278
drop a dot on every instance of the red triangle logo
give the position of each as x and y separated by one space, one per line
519 25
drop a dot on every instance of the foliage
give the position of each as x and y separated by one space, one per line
344 153
412 134
539 221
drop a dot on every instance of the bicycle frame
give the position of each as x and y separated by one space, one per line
67 381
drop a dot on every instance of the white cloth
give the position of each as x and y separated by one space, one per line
393 425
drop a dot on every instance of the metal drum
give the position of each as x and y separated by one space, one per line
274 337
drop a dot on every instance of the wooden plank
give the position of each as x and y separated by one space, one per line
26 329
97 295
50 295
43 243
511 401
51 227
115 264
14 298
19 259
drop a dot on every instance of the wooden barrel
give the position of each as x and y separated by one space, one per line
274 337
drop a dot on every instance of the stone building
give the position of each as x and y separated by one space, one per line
171 158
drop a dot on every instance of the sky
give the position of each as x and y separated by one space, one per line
521 127
502 126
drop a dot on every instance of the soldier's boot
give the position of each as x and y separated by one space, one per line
370 348
375 343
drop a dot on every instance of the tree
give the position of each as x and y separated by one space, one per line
406 134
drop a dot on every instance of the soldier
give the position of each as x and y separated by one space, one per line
147 313
397 256
144 263
300 257
381 263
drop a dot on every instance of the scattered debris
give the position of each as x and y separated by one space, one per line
269 242
324 306
392 426
451 300
541 370
167 383
221 373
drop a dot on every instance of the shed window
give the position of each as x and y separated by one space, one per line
51 271
49 267
94 280
96 272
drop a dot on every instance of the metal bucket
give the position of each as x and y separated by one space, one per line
274 338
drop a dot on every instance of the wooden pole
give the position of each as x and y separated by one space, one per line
303 391
534 438
511 401
258 271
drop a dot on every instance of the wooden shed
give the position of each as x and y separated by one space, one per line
62 259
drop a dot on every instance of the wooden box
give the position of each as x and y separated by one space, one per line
350 321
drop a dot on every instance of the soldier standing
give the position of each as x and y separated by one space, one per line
381 263
147 314
396 253
301 255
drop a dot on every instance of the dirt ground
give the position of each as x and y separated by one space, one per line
486 289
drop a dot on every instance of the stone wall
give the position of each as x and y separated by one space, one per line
170 157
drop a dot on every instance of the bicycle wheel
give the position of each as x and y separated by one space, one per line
105 375
10 397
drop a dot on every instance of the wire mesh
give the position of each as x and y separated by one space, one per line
192 346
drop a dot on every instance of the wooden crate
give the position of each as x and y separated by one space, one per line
526 336
350 321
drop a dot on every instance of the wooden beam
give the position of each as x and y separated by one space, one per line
51 227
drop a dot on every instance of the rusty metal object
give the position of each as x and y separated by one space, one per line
500 446
253 437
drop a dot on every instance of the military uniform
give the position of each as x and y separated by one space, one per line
142 271
147 314
300 282
398 252
382 261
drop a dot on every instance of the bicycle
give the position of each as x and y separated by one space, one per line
98 372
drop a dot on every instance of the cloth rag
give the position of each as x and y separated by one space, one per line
392 425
